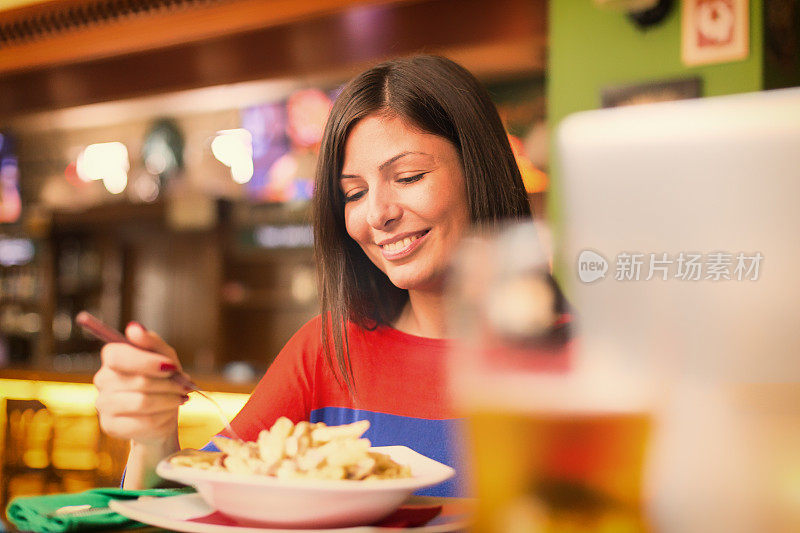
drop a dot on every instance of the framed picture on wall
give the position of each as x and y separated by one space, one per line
646 93
714 31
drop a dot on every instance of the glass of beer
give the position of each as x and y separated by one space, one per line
556 438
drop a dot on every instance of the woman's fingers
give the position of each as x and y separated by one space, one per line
141 404
110 380
136 399
128 359
150 341
139 428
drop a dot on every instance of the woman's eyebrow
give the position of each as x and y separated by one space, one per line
398 156
386 163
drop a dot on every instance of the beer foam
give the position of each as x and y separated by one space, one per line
557 395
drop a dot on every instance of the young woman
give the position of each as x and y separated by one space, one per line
413 154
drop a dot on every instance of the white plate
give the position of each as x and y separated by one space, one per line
186 512
266 501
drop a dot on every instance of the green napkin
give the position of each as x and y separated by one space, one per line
35 513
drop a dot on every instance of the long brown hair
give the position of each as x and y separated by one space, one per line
442 98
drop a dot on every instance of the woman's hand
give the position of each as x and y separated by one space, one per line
136 399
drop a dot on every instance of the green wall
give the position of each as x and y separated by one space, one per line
591 48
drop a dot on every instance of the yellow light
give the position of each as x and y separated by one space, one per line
231 404
75 398
234 149
105 161
115 180
80 397
96 160
242 170
198 419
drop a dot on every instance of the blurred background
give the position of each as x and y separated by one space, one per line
157 158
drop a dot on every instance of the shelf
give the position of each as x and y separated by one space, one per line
27 335
26 303
249 215
268 255
257 304
210 382
107 217
83 290
45 375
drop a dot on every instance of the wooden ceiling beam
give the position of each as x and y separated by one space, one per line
335 42
71 31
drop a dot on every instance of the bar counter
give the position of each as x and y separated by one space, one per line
52 440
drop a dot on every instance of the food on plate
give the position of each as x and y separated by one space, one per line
299 451
198 459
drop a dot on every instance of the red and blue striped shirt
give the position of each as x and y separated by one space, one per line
401 388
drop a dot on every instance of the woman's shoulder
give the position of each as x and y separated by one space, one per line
388 336
375 334
313 326
306 339
311 331
561 333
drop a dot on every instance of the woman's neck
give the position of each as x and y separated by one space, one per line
424 315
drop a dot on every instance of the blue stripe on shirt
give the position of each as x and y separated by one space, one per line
436 439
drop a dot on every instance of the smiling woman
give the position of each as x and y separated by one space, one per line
407 211
414 149
413 156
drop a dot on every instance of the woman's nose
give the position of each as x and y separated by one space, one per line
383 209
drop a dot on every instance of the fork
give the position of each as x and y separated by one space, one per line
106 333
78 511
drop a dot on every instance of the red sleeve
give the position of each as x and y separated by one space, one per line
286 389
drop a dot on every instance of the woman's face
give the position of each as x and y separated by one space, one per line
405 199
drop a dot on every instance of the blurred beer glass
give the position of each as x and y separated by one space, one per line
637 179
556 438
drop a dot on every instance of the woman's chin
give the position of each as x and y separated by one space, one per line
418 283
402 283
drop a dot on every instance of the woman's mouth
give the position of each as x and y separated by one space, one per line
403 247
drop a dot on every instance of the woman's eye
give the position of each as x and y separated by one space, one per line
353 196
412 179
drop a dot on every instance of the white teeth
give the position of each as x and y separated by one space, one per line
400 245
